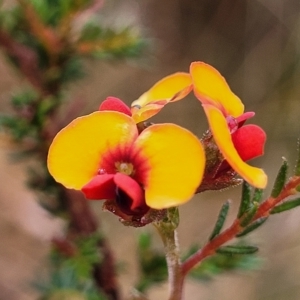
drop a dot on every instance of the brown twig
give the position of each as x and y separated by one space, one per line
45 34
83 222
26 59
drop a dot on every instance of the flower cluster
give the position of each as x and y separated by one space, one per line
138 169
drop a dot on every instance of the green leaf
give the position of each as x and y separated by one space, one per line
72 71
248 215
221 220
220 264
257 195
285 206
257 223
280 179
230 250
171 221
297 169
246 197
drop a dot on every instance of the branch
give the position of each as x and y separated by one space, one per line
84 222
236 228
26 59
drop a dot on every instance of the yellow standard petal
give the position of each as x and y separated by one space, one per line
171 88
75 154
222 136
210 87
176 159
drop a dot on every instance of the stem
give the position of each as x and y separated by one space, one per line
171 247
230 233
211 247
288 190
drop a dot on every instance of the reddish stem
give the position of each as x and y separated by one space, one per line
289 190
211 247
230 233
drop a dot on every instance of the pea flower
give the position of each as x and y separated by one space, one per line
104 156
169 89
226 117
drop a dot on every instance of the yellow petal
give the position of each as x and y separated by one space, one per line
146 112
76 152
222 136
177 163
210 87
171 88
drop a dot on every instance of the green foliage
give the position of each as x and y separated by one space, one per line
30 114
18 128
252 226
53 11
286 206
257 195
219 264
72 71
50 195
246 199
85 257
47 42
237 249
72 273
221 220
106 42
153 268
280 179
249 214
250 201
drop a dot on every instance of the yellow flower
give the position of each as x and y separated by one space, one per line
103 155
169 89
225 114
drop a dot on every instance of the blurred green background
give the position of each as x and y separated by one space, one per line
256 46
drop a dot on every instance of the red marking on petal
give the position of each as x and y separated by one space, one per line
249 141
115 104
133 191
100 187
128 154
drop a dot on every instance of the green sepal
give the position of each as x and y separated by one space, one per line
252 226
171 221
245 201
285 206
297 169
230 250
221 220
248 215
280 179
257 195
